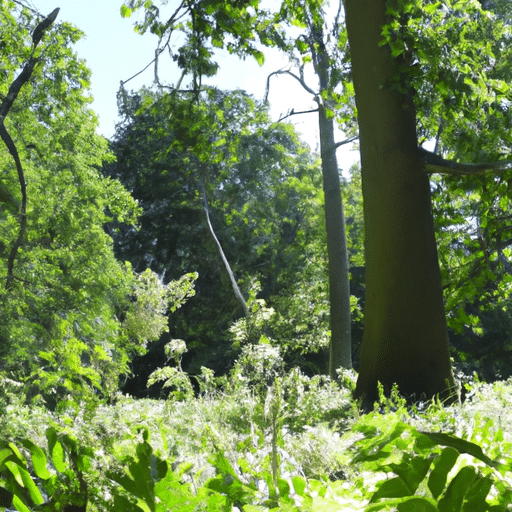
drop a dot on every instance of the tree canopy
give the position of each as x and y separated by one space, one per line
261 186
200 186
66 313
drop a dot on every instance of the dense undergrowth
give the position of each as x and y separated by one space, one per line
299 444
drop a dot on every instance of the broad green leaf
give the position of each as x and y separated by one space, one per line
417 504
56 450
4 454
15 471
477 495
19 505
299 484
126 12
454 496
23 478
412 470
145 506
392 488
284 487
38 459
16 452
442 466
462 446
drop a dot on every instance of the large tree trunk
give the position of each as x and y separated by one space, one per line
405 337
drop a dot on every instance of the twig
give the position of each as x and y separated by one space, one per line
294 113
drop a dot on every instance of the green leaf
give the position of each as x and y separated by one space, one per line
417 504
284 487
4 454
392 488
38 459
457 490
477 495
443 465
299 484
126 12
412 470
23 478
462 446
56 450
19 505
17 453
260 58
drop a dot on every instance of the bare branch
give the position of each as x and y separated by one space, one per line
287 72
5 106
160 50
175 16
292 112
23 210
346 141
436 164
26 6
236 289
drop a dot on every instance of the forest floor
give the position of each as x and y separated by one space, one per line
299 444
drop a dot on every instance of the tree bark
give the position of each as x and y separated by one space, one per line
340 347
405 337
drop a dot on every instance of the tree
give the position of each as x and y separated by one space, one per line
320 46
416 72
205 29
408 72
467 115
261 184
68 308
405 339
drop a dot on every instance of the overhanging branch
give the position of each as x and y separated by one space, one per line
436 164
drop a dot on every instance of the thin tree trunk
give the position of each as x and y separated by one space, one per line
340 348
405 336
236 289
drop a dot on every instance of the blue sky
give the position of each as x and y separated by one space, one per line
114 52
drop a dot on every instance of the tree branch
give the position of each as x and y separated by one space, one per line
236 289
292 112
287 72
346 141
436 164
5 106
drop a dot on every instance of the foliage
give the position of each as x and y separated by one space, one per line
262 189
202 29
145 320
433 470
62 330
275 452
54 477
457 64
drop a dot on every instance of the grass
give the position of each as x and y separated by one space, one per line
299 444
